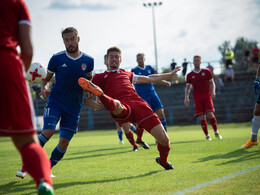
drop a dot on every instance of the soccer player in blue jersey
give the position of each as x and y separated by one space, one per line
147 92
65 98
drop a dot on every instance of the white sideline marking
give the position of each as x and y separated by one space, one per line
191 189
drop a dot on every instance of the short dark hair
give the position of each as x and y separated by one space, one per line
140 54
116 49
68 30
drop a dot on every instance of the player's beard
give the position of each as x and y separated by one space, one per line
72 49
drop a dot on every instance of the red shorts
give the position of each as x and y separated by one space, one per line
138 111
16 108
203 106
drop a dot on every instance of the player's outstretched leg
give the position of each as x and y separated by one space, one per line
89 86
163 146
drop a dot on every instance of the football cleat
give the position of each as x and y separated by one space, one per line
135 149
21 173
208 138
45 189
167 167
88 86
218 136
121 142
143 144
52 176
250 143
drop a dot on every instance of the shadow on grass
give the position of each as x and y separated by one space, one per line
97 155
15 187
64 185
99 150
181 142
187 142
236 156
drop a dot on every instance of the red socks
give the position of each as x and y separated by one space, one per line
108 102
130 138
204 126
139 132
36 162
213 122
164 152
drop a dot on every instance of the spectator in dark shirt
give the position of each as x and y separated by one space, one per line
184 67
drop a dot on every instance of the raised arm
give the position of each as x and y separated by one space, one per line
165 83
156 77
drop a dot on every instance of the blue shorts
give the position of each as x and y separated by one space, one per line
68 121
152 99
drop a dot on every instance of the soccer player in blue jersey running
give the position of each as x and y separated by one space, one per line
65 98
147 92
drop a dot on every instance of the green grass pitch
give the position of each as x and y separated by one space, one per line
96 164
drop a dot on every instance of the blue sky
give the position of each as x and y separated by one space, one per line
184 28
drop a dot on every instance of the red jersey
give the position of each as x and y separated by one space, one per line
116 84
255 52
200 83
13 12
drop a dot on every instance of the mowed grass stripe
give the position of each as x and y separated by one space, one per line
191 189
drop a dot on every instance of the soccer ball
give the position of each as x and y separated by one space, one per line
36 73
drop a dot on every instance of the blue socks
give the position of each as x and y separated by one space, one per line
120 135
133 128
43 140
56 155
164 123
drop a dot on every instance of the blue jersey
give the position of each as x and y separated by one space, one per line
146 90
66 92
143 87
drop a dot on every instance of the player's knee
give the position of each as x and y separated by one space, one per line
164 140
119 108
63 143
48 133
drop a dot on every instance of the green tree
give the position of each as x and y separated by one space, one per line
238 49
240 45
222 48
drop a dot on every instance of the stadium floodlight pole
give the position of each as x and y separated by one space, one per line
152 5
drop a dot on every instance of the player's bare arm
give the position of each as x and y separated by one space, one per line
165 83
92 103
45 85
187 94
213 88
157 77
25 42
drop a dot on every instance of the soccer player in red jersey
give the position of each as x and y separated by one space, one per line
201 81
117 94
17 118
